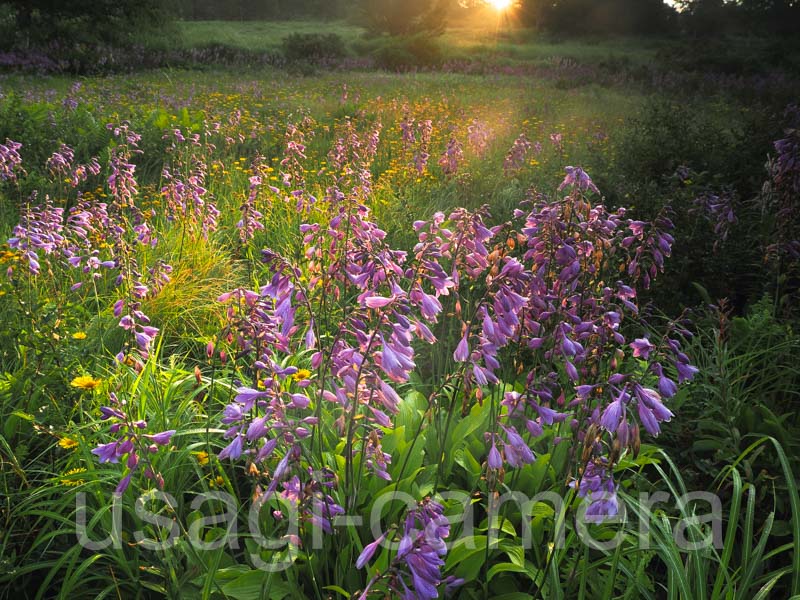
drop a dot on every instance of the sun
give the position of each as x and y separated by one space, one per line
499 5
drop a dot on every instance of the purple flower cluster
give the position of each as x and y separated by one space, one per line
415 572
310 501
451 158
185 192
10 161
548 291
422 150
132 444
251 216
351 157
515 159
598 487
40 229
60 162
718 210
478 136
780 193
121 180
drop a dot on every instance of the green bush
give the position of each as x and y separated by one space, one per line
402 53
313 46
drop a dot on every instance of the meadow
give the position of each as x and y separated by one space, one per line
519 322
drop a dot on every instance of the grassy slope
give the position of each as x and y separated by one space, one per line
493 38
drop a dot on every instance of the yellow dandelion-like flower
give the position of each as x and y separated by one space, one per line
202 457
79 335
301 374
73 481
67 443
85 382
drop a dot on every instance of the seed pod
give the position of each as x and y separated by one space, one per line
616 450
636 441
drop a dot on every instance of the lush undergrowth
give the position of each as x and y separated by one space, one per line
371 334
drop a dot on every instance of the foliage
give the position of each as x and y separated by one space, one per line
643 17
42 22
291 291
313 46
402 53
403 17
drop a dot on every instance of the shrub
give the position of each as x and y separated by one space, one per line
313 46
401 53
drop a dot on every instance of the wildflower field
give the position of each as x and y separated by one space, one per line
481 331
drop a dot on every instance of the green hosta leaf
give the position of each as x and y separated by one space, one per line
337 589
508 568
464 548
250 585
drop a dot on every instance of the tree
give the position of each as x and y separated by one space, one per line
599 16
109 21
403 17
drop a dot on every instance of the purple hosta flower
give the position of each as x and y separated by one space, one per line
717 209
785 169
161 439
107 452
232 450
666 386
452 157
415 572
407 134
258 421
185 189
642 348
515 159
351 158
651 410
134 320
557 140
422 150
377 461
368 552
577 178
82 172
371 149
779 196
478 135
598 487
40 231
680 360
654 245
121 181
131 443
251 217
293 157
515 451
60 163
615 412
310 500
10 161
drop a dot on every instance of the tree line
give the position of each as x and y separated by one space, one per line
117 21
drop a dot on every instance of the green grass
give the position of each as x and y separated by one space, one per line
39 353
260 36
492 39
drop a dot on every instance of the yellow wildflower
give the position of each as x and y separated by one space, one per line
301 374
72 482
67 443
79 335
85 382
202 457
